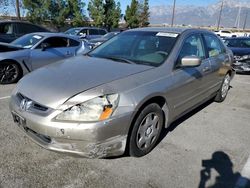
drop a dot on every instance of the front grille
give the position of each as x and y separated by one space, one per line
34 105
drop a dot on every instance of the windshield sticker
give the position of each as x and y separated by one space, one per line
37 37
161 34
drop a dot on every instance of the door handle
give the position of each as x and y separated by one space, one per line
68 53
206 69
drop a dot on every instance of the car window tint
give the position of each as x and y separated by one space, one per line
192 46
213 45
6 28
93 32
73 43
102 32
24 28
245 43
56 42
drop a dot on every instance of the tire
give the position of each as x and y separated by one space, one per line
10 72
146 130
222 93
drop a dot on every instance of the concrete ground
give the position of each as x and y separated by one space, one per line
216 133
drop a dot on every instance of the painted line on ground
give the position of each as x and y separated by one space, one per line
245 176
2 98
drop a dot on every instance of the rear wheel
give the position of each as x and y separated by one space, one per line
222 93
146 130
10 72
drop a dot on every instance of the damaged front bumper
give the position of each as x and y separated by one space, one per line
91 140
242 66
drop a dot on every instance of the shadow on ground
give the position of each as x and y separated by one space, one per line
226 178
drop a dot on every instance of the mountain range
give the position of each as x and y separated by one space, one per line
233 14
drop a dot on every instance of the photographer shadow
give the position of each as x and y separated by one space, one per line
223 165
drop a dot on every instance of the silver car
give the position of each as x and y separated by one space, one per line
123 93
33 51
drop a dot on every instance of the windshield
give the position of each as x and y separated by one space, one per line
73 31
140 47
28 41
239 43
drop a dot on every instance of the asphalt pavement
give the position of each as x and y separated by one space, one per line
208 147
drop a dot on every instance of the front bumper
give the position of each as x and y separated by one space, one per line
91 140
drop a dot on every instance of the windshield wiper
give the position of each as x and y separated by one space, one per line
120 59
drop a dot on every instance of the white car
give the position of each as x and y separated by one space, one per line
225 33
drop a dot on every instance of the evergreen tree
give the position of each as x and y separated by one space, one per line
132 14
144 14
112 14
96 12
75 12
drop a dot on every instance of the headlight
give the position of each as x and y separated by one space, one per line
97 109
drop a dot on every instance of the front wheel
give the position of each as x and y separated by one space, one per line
222 93
10 72
146 130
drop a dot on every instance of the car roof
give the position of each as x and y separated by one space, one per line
86 28
168 29
48 34
237 38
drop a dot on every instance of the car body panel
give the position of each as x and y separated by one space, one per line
33 58
65 84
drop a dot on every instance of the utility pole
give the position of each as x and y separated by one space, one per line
172 21
245 22
218 26
18 10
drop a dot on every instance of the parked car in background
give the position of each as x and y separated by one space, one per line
121 94
86 32
96 42
35 50
225 33
240 47
11 30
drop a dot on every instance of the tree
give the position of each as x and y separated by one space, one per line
144 14
132 14
96 12
112 14
55 11
35 10
75 12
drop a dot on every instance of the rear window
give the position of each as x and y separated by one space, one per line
6 28
102 32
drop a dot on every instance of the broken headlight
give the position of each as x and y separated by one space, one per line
97 109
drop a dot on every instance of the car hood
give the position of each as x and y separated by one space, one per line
54 84
5 47
240 51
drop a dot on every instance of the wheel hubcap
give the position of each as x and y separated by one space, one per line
8 73
225 86
148 131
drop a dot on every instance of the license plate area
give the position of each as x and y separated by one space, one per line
19 120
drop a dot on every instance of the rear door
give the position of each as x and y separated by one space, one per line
191 82
218 58
58 48
93 33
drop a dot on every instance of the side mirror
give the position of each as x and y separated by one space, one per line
44 46
190 61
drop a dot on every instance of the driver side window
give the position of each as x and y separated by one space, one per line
55 42
192 46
